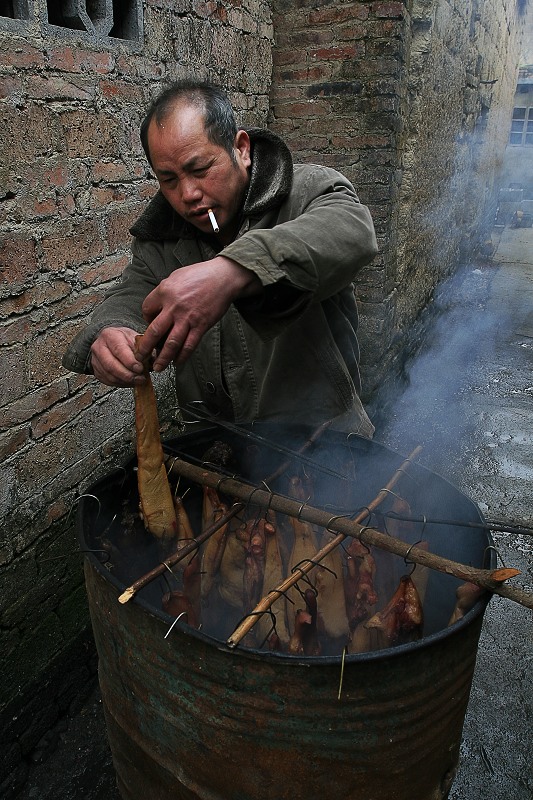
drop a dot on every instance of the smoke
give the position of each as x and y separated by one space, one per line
431 407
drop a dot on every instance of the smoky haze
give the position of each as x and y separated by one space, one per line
431 407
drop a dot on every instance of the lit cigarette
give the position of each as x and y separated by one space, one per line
213 221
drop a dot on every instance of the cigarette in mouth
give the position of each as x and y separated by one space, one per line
213 220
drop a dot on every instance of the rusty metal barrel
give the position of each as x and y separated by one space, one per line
190 719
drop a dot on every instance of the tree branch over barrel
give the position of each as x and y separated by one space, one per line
491 580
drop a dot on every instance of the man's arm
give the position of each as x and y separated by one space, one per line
322 237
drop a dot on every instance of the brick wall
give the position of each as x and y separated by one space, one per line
411 100
72 180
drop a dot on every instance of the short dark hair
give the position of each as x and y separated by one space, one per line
219 119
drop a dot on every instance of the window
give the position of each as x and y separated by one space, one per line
97 19
522 126
118 18
14 9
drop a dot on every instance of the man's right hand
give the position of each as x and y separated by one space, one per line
113 360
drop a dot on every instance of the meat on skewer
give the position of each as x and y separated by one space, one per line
359 583
304 544
467 596
329 583
254 564
231 582
213 549
401 620
304 639
273 576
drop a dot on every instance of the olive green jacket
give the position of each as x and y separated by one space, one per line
291 355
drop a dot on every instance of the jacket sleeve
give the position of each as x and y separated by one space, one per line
321 238
121 307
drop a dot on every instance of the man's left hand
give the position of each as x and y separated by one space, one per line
188 303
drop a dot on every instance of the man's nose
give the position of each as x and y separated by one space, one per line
191 190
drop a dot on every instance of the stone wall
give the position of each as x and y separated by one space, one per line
72 180
412 100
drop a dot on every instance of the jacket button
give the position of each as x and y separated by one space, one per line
210 387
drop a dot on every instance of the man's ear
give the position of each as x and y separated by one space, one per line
243 148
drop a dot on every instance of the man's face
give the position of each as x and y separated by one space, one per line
194 174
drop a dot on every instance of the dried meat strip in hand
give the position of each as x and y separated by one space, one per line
156 502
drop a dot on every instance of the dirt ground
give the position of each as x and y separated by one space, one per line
469 404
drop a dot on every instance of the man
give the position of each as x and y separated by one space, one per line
260 317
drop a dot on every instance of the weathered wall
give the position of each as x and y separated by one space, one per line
412 101
398 95
72 180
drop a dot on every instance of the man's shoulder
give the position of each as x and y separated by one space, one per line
309 174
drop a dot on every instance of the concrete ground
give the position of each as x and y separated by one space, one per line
469 404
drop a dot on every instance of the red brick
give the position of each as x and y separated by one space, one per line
291 56
13 441
45 207
121 90
29 132
19 54
389 10
45 352
138 68
34 403
350 32
109 171
36 295
337 53
310 108
76 245
148 191
54 87
107 269
90 135
101 197
13 361
10 86
77 60
335 14
61 413
358 141
118 224
54 175
18 259
81 305
303 37
205 8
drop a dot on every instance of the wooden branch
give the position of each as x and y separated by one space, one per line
487 579
180 554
